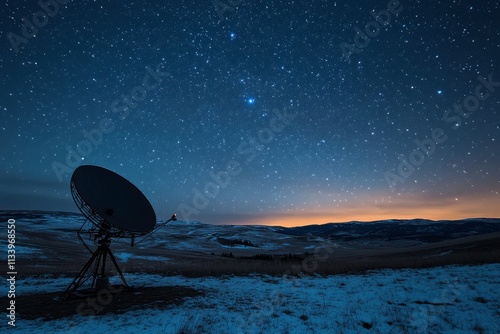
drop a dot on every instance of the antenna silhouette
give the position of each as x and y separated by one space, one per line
114 208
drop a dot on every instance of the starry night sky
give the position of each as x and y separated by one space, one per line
306 114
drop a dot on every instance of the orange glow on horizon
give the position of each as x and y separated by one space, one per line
449 209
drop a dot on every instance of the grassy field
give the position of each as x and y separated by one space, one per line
324 260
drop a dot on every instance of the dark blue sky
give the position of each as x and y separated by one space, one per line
272 112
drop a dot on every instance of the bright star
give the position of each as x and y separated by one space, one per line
232 35
251 101
440 92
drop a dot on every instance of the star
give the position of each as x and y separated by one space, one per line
173 106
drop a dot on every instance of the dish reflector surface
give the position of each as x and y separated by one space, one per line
117 202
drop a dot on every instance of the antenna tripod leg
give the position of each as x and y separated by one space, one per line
81 277
112 257
98 273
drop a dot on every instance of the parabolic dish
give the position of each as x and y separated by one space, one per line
116 201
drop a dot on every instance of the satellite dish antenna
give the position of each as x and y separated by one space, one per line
115 208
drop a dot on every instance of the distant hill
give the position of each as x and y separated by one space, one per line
422 230
205 237
47 242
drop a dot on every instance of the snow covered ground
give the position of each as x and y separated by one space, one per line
452 299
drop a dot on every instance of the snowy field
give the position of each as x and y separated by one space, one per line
453 299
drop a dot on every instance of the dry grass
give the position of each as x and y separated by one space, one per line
475 250
225 266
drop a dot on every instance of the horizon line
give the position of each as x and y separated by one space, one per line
278 225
